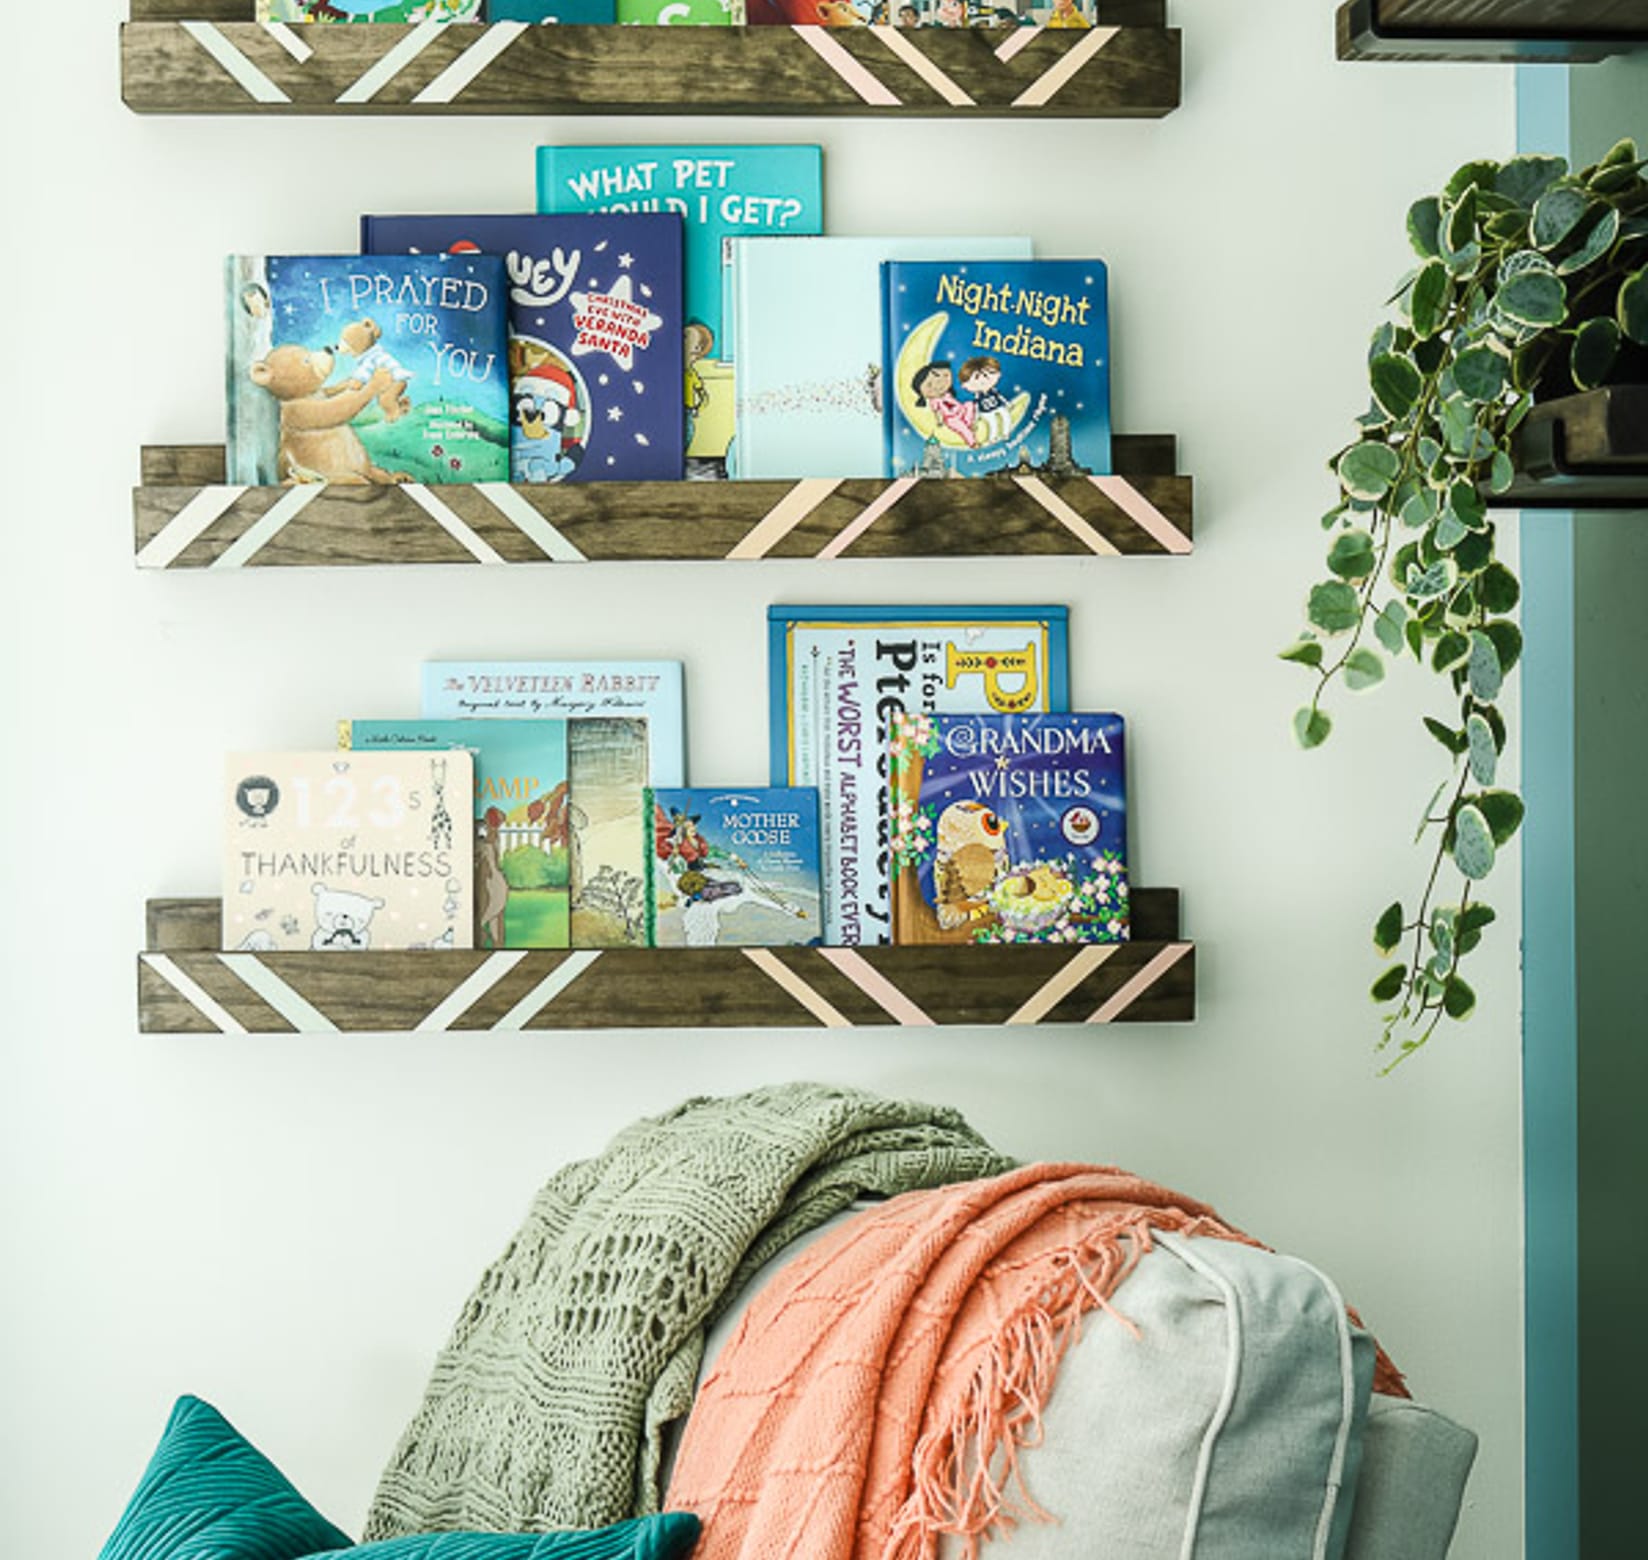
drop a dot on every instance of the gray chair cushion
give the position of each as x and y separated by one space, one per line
1414 1467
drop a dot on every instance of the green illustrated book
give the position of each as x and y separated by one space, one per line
396 11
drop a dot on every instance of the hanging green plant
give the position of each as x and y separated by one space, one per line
1532 281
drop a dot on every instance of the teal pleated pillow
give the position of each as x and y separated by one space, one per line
667 1537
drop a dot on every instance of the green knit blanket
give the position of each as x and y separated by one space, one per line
585 1337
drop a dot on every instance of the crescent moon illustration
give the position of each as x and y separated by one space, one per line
917 351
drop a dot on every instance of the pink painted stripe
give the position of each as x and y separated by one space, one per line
1073 522
1050 81
1123 999
859 77
867 516
877 987
1142 512
782 975
1015 41
1054 991
785 516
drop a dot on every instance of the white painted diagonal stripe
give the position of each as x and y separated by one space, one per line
195 995
876 987
789 511
458 1002
1072 520
289 41
1117 1004
867 516
1142 512
858 76
909 54
1051 80
782 975
253 82
516 509
296 1009
458 529
1054 991
468 65
393 63
1015 41
268 525
190 523
547 990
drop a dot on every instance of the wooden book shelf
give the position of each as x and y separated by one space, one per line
185 986
187 517
1585 451
211 57
1563 32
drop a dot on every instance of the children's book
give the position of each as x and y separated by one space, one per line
345 852
595 341
609 829
836 677
996 368
680 13
570 690
366 370
520 812
809 379
567 12
720 192
401 11
736 868
1009 828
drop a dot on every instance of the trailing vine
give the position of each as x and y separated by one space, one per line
1532 280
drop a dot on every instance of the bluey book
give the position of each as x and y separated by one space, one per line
595 340
610 832
398 11
567 12
837 675
1009 829
734 868
809 379
367 370
720 192
570 690
345 852
520 818
996 368
680 13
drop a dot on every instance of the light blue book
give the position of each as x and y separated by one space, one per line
569 690
807 319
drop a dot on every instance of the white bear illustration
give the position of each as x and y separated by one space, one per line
342 919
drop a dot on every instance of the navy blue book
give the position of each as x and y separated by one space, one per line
996 367
595 336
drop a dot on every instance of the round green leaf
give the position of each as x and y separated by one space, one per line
1507 641
1633 306
1389 983
1502 810
1428 302
1474 552
1389 626
1535 298
1458 1000
1396 383
1452 649
1436 579
1484 754
1525 179
1498 590
1595 346
1387 931
1557 213
1311 727
1363 669
1521 260
1450 531
1473 846
1482 174
1368 469
1479 372
1469 505
1503 472
1307 652
1421 509
1334 607
1483 670
1424 218
1351 555
1453 741
1599 239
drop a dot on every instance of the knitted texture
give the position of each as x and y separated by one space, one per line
584 1338
877 1391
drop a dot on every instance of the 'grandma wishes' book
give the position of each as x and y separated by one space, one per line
402 11
367 369
720 192
734 868
836 677
345 852
996 368
607 770
520 813
595 340
1009 828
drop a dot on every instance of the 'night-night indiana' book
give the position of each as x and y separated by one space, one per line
996 368
1009 828
367 370
594 336
735 868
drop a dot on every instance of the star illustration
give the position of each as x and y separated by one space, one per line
615 414
611 321
626 261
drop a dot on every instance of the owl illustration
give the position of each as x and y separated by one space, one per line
969 861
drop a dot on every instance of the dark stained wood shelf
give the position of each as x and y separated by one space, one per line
1566 32
187 517
185 986
1585 451
210 57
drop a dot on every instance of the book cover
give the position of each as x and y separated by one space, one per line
344 852
567 12
838 674
809 379
734 868
720 191
1009 828
519 812
595 343
366 369
996 368
679 13
394 11
568 690
608 827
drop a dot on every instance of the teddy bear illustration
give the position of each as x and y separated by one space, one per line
316 442
342 919
363 341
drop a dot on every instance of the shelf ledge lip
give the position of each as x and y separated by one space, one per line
1362 36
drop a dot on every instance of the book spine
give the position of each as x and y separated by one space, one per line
889 357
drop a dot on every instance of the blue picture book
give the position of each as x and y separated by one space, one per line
996 368
385 11
809 379
734 868
568 12
720 192
594 336
1008 828
366 369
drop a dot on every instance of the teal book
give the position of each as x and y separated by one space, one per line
520 818
809 379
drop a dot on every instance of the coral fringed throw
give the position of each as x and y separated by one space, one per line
878 1390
